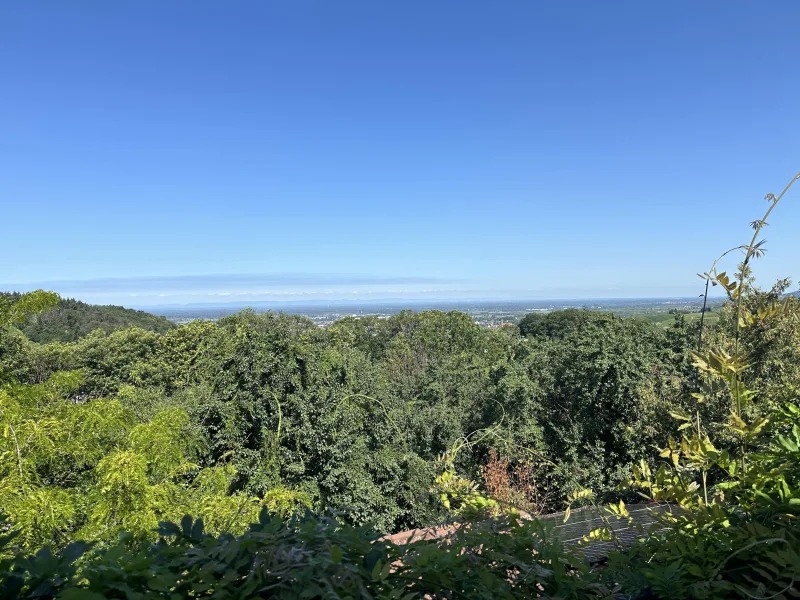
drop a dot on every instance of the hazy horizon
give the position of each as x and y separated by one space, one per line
307 289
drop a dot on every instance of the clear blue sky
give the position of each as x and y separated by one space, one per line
190 151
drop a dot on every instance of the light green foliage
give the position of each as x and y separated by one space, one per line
462 499
162 442
738 537
123 497
87 469
771 341
285 502
40 514
15 308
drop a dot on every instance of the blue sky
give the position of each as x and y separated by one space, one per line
187 151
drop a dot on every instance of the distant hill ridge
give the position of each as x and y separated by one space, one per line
73 319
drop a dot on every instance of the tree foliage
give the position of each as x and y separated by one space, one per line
67 320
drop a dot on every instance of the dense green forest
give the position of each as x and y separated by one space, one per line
72 319
292 448
361 414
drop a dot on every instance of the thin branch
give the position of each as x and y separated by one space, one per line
16 445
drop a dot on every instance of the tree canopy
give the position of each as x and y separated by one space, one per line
71 319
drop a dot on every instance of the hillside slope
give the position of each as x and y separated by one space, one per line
73 319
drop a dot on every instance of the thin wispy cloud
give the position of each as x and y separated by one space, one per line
152 290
